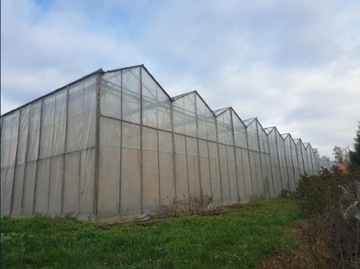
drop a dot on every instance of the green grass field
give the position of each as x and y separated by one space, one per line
240 239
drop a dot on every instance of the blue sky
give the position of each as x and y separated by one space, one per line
292 64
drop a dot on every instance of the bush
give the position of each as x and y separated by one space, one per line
316 193
286 194
332 201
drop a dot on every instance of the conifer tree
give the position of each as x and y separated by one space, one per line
355 154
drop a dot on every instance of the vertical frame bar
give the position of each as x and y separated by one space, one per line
97 146
141 146
173 148
121 141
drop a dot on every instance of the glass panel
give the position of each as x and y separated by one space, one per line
193 166
243 174
167 181
131 95
34 132
130 174
82 115
150 100
110 95
9 139
18 190
23 134
179 116
71 183
86 183
29 187
56 177
206 120
190 117
60 122
205 167
42 186
215 172
252 136
225 187
239 132
182 184
7 177
224 125
151 188
232 174
47 126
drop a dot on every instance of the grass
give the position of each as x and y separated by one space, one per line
240 239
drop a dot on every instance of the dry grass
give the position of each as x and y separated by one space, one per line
311 252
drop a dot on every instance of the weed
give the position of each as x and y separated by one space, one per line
238 239
196 204
286 194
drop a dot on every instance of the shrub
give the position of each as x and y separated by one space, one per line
316 193
285 194
332 201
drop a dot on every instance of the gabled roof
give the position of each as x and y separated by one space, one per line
268 130
247 122
286 136
218 112
177 97
174 98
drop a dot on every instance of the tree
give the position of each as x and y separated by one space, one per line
325 162
355 155
341 155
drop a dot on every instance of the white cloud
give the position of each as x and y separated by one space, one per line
293 64
48 52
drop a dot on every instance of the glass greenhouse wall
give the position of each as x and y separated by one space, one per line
116 144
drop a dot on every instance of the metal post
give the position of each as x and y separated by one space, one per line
187 168
97 146
141 146
228 170
157 146
173 147
209 163
261 161
121 140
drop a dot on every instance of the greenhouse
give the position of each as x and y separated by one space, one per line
115 144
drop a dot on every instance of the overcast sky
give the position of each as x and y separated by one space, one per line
292 64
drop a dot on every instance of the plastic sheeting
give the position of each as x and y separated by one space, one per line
53 141
115 144
292 162
276 146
